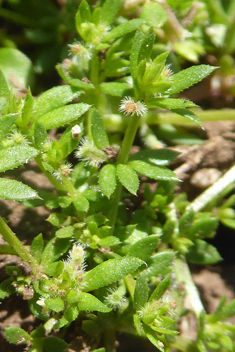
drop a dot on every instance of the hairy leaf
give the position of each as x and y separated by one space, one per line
110 271
53 99
128 178
108 180
187 78
18 155
64 115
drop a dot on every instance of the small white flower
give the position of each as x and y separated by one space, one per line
129 107
76 131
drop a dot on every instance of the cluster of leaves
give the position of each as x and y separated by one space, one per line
103 264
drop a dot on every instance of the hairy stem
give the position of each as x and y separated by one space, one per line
17 246
213 192
184 275
122 159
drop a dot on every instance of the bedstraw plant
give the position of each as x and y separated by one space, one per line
108 268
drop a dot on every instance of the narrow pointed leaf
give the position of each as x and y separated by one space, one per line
117 89
203 253
4 90
124 28
110 271
109 10
62 116
154 14
18 155
54 98
37 247
6 123
108 180
98 130
188 114
144 248
160 264
15 334
161 289
141 293
187 78
128 178
169 103
14 190
90 303
135 50
153 171
155 156
6 288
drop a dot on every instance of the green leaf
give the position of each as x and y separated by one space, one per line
65 232
169 103
153 171
75 82
6 288
135 51
55 304
152 336
17 335
144 248
57 219
67 143
155 156
160 290
4 90
14 190
108 180
62 116
110 271
128 178
124 28
6 123
160 264
204 227
187 78
52 344
90 303
154 14
16 67
85 11
17 155
109 10
141 293
54 98
109 241
81 204
27 109
117 89
185 222
98 130
54 249
203 253
40 135
228 311
188 114
37 247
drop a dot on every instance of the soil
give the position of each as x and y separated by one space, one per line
199 167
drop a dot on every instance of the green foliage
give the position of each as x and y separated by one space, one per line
119 230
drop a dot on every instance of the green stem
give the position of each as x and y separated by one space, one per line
213 192
122 159
184 276
209 115
17 246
